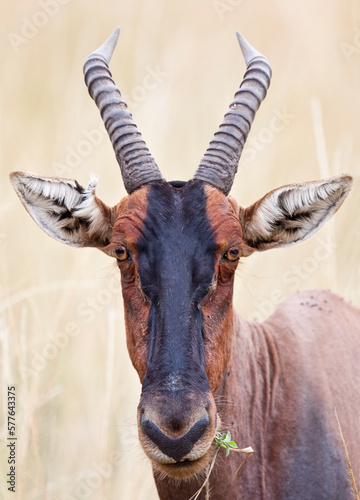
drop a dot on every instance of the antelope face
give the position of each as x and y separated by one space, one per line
177 263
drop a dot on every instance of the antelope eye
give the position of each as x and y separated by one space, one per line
232 254
121 253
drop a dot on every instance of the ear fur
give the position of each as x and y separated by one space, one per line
65 210
292 213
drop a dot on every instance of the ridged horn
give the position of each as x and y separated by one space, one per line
220 162
137 165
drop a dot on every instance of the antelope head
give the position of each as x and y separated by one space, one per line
177 245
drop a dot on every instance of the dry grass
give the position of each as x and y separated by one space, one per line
76 407
351 474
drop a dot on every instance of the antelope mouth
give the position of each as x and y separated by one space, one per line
184 468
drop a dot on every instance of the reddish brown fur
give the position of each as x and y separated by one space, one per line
127 231
217 306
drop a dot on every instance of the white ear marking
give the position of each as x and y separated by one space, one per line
64 209
293 213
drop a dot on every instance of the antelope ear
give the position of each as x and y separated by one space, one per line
293 213
64 210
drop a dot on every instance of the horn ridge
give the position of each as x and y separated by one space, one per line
226 147
137 165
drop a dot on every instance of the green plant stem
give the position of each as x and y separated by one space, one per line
196 495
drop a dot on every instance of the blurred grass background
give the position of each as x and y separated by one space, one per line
62 340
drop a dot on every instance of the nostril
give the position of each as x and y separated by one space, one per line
174 448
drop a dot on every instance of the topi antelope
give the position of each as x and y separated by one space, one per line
274 384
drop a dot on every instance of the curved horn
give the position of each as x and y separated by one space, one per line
137 165
220 162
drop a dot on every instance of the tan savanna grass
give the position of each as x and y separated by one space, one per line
351 474
62 337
